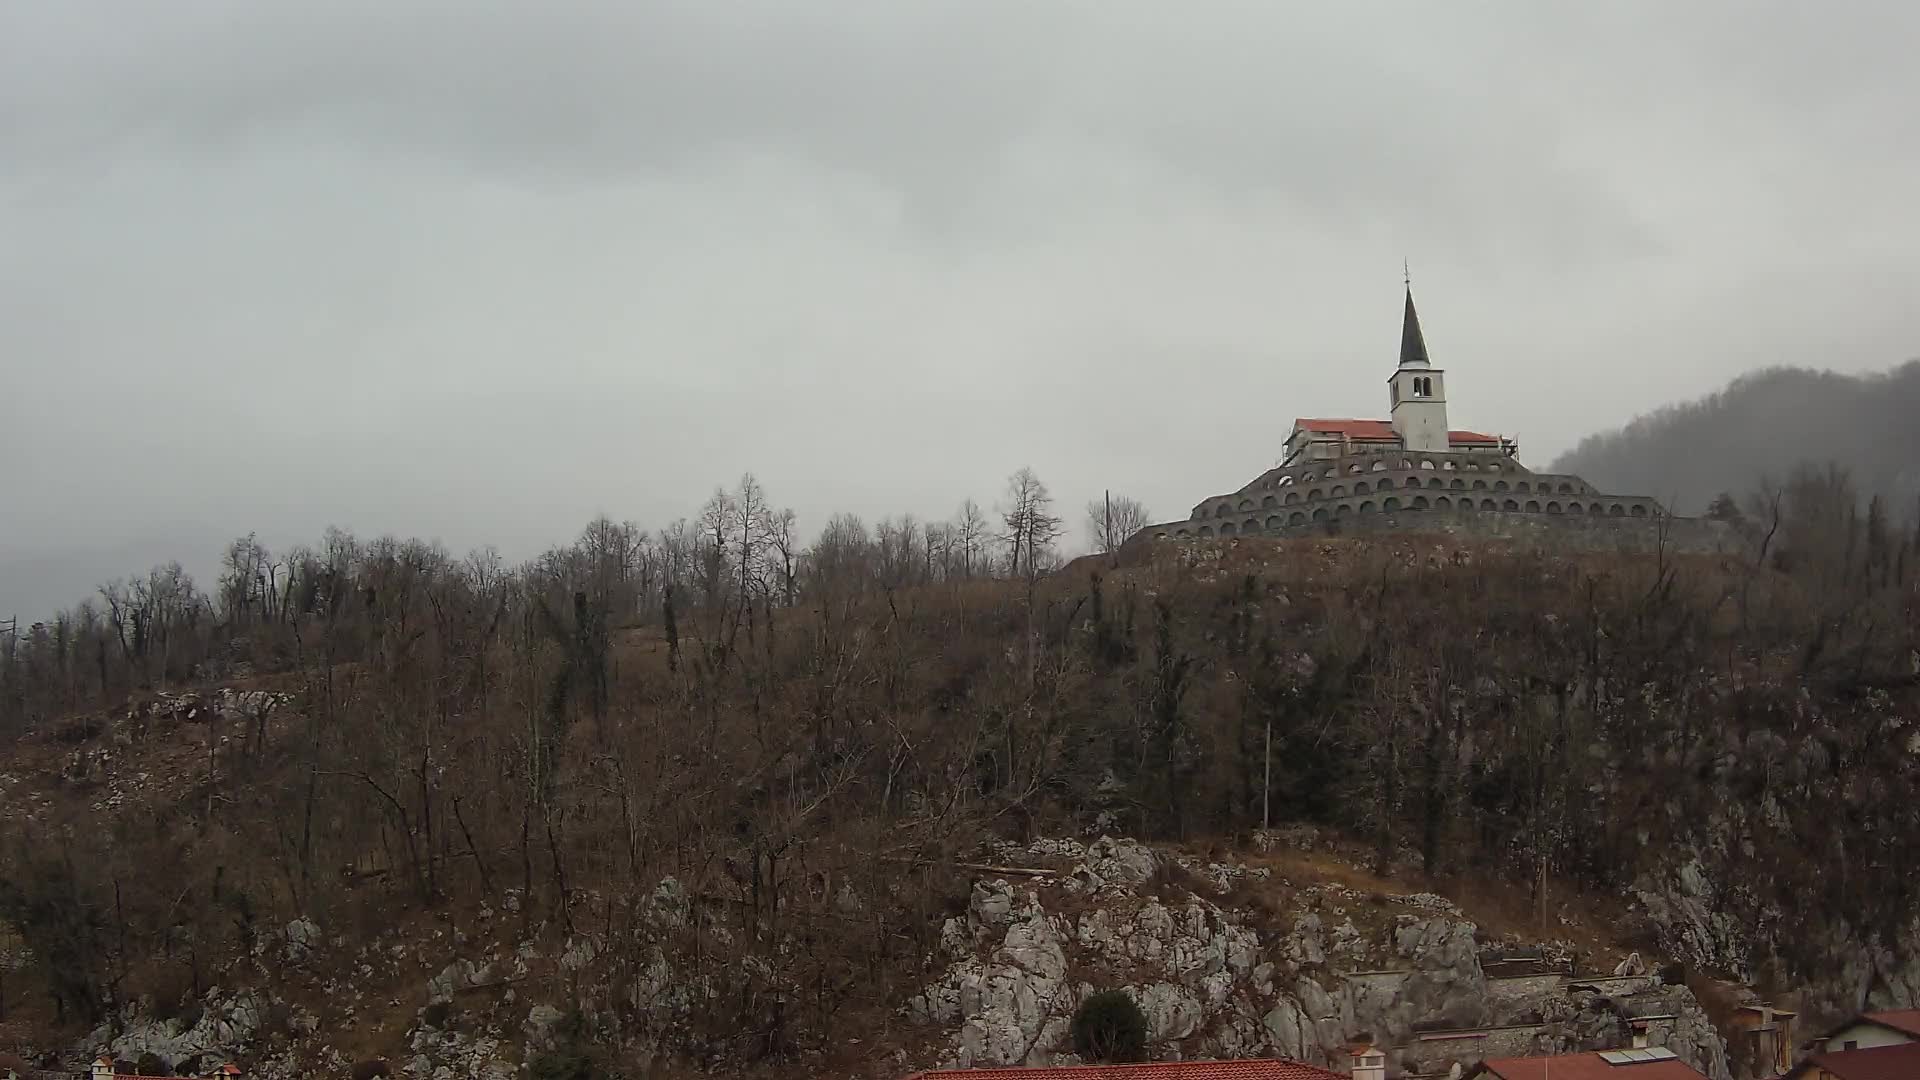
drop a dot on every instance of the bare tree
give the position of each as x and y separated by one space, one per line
970 534
1031 525
1111 520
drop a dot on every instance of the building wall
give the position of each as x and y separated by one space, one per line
1868 1036
1506 991
1433 1053
1421 422
1406 478
1561 531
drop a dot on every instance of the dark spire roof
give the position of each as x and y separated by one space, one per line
1413 345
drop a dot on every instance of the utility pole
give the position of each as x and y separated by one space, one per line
1266 779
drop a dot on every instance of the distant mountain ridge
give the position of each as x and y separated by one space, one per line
1763 425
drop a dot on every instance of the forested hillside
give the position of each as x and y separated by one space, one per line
1760 428
808 738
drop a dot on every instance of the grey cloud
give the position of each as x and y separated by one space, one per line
481 270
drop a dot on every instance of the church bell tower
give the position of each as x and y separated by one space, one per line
1419 390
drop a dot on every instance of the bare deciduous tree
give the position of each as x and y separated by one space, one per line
1031 525
1113 519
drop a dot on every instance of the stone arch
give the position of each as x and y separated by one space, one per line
1274 522
1246 504
1533 506
1343 510
1510 505
1488 504
1283 481
1314 494
1596 509
1390 505
1436 482
1616 510
1181 534
1419 502
1553 508
1367 507
1338 491
1379 465
1492 467
1296 518
1443 503
1320 514
1360 488
1479 485
1448 465
1223 510
1566 488
1426 463
1466 503
1206 532
1458 484
1520 485
1269 501
1354 469
1292 497
1385 483
1499 485
1638 510
1228 528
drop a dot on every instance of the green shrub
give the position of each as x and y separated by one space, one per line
1110 1029
152 1064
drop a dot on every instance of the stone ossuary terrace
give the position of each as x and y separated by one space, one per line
1412 467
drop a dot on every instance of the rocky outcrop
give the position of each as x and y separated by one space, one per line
1214 983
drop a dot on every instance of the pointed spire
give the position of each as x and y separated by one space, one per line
1413 344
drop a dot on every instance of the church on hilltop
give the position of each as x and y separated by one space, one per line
1411 471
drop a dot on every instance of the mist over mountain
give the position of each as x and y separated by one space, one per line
1762 426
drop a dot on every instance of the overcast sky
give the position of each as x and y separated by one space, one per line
480 271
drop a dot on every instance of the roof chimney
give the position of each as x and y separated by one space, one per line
1369 1062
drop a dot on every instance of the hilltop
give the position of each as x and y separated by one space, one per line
462 821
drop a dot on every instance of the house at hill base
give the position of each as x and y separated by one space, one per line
1760 1037
1900 1061
1890 1027
1644 1063
1414 471
1368 1063
104 1069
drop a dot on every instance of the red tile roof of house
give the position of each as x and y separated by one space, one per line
1907 1020
1900 1062
1352 429
1587 1066
1377 430
1257 1069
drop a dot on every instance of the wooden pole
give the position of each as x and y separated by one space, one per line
1266 779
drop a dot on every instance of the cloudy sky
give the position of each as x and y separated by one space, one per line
479 271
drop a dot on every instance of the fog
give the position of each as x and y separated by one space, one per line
479 271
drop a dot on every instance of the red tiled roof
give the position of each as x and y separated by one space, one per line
1900 1062
1907 1020
1381 430
1352 429
1258 1069
1588 1066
